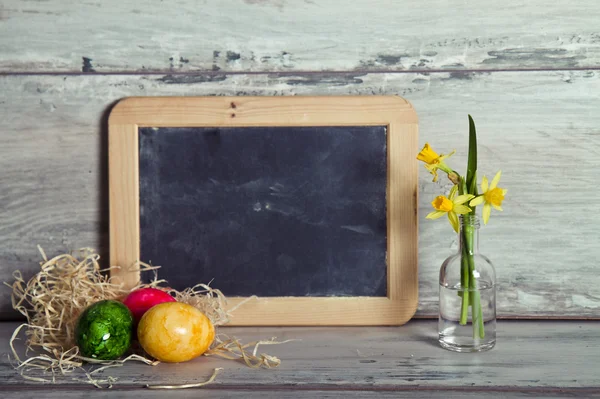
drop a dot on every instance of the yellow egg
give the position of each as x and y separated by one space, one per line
175 332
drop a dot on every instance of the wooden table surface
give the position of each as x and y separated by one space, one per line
531 359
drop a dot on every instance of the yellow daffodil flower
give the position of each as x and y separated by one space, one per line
491 196
452 206
434 161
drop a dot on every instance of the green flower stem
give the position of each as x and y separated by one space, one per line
478 329
464 264
474 294
464 313
466 272
471 296
475 301
476 307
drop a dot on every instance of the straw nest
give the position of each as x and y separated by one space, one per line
53 299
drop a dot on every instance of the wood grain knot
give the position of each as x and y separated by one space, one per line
416 205
233 105
233 115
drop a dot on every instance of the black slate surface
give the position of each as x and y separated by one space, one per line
267 211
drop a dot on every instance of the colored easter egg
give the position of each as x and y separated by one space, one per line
104 330
175 332
139 301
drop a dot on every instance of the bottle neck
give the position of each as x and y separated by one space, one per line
468 235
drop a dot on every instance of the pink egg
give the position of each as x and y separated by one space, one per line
139 301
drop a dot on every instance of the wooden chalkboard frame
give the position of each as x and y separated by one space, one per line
402 222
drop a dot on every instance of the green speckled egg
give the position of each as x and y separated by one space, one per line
104 330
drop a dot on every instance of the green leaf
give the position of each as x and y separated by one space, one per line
472 160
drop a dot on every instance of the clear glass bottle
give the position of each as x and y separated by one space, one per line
467 313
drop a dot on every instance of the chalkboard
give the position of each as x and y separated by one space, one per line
301 210
267 211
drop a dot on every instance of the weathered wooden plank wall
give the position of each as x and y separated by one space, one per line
307 35
528 72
